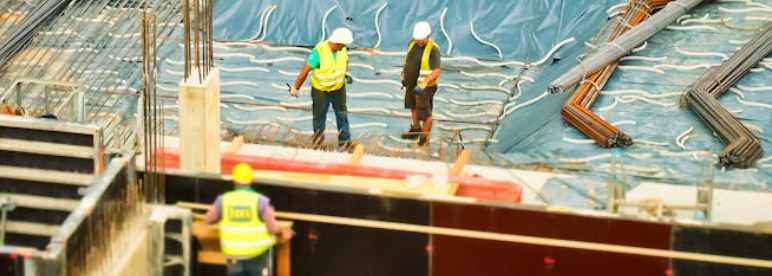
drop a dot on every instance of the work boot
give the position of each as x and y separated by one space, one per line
347 146
413 133
423 140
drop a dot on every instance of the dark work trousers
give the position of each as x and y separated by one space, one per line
258 266
321 104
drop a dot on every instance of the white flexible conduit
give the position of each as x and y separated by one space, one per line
483 63
640 48
377 27
474 34
262 24
553 50
702 54
265 23
530 102
680 139
444 32
276 60
324 22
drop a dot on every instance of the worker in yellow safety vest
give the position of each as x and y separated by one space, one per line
247 226
329 63
420 76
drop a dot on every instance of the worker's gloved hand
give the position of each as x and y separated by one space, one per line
293 91
402 79
349 78
420 87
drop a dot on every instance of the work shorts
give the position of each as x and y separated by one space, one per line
423 102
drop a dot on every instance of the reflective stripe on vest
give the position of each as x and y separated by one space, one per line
426 69
331 74
268 242
242 232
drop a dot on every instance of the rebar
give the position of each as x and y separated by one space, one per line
576 110
153 138
743 147
201 42
622 45
18 38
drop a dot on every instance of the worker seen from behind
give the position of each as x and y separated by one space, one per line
420 76
329 63
247 226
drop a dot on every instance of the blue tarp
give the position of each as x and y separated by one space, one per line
524 30
537 134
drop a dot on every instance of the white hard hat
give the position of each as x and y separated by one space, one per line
422 30
342 36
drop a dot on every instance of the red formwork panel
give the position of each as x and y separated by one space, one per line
490 190
464 256
475 187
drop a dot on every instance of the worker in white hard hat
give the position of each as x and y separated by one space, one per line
329 63
420 76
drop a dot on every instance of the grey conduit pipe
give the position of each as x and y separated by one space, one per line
617 49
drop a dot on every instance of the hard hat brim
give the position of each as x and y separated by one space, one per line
342 41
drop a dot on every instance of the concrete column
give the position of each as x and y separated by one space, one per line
199 126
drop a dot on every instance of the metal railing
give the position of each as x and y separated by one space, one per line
41 97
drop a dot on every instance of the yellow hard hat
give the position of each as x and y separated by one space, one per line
242 173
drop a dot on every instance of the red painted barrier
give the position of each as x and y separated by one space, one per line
475 187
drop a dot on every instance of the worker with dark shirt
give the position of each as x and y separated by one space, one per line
420 76
247 226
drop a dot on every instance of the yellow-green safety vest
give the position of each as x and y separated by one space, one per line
426 70
331 74
242 233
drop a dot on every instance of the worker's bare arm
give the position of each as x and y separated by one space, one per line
434 75
213 215
270 220
303 75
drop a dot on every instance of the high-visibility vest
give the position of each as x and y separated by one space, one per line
426 70
242 233
331 73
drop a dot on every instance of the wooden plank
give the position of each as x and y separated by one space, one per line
211 257
47 176
235 145
283 259
31 228
461 161
371 184
46 148
42 202
356 157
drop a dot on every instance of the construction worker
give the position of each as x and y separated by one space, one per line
420 76
247 226
329 63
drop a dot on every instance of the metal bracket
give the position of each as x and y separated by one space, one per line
6 205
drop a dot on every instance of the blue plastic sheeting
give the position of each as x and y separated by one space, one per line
377 90
651 121
524 30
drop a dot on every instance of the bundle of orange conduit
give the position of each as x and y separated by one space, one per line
576 111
